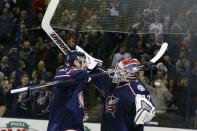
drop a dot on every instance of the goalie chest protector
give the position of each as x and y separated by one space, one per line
120 107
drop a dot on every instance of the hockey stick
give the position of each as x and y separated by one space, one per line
92 62
159 54
29 88
134 69
49 30
152 61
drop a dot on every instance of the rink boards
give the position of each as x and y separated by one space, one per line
12 124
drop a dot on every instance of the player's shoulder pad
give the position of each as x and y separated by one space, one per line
68 69
64 73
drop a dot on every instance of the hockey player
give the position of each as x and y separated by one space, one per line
67 108
128 105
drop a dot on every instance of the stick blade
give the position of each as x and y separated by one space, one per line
92 62
160 52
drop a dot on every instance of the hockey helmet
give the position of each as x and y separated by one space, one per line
127 70
74 55
127 64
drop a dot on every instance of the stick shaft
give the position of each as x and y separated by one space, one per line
23 89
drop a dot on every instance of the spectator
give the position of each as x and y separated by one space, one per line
166 22
38 18
181 96
156 27
6 17
7 86
85 43
2 103
42 72
68 18
60 59
161 67
2 51
13 56
160 94
5 66
91 24
38 5
42 99
25 23
7 40
24 100
22 69
171 69
26 55
122 54
185 44
157 44
180 22
182 66
1 5
35 79
194 85
139 48
2 96
40 50
171 85
114 8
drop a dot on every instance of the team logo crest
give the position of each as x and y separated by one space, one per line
80 99
140 88
111 104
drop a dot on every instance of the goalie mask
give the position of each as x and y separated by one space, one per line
74 55
127 70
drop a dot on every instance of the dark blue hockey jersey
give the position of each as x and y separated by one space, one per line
68 105
119 106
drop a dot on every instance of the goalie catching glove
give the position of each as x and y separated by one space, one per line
145 111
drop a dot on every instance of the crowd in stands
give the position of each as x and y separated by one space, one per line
153 15
29 57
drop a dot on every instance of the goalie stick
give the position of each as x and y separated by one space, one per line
133 69
152 61
160 53
92 62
